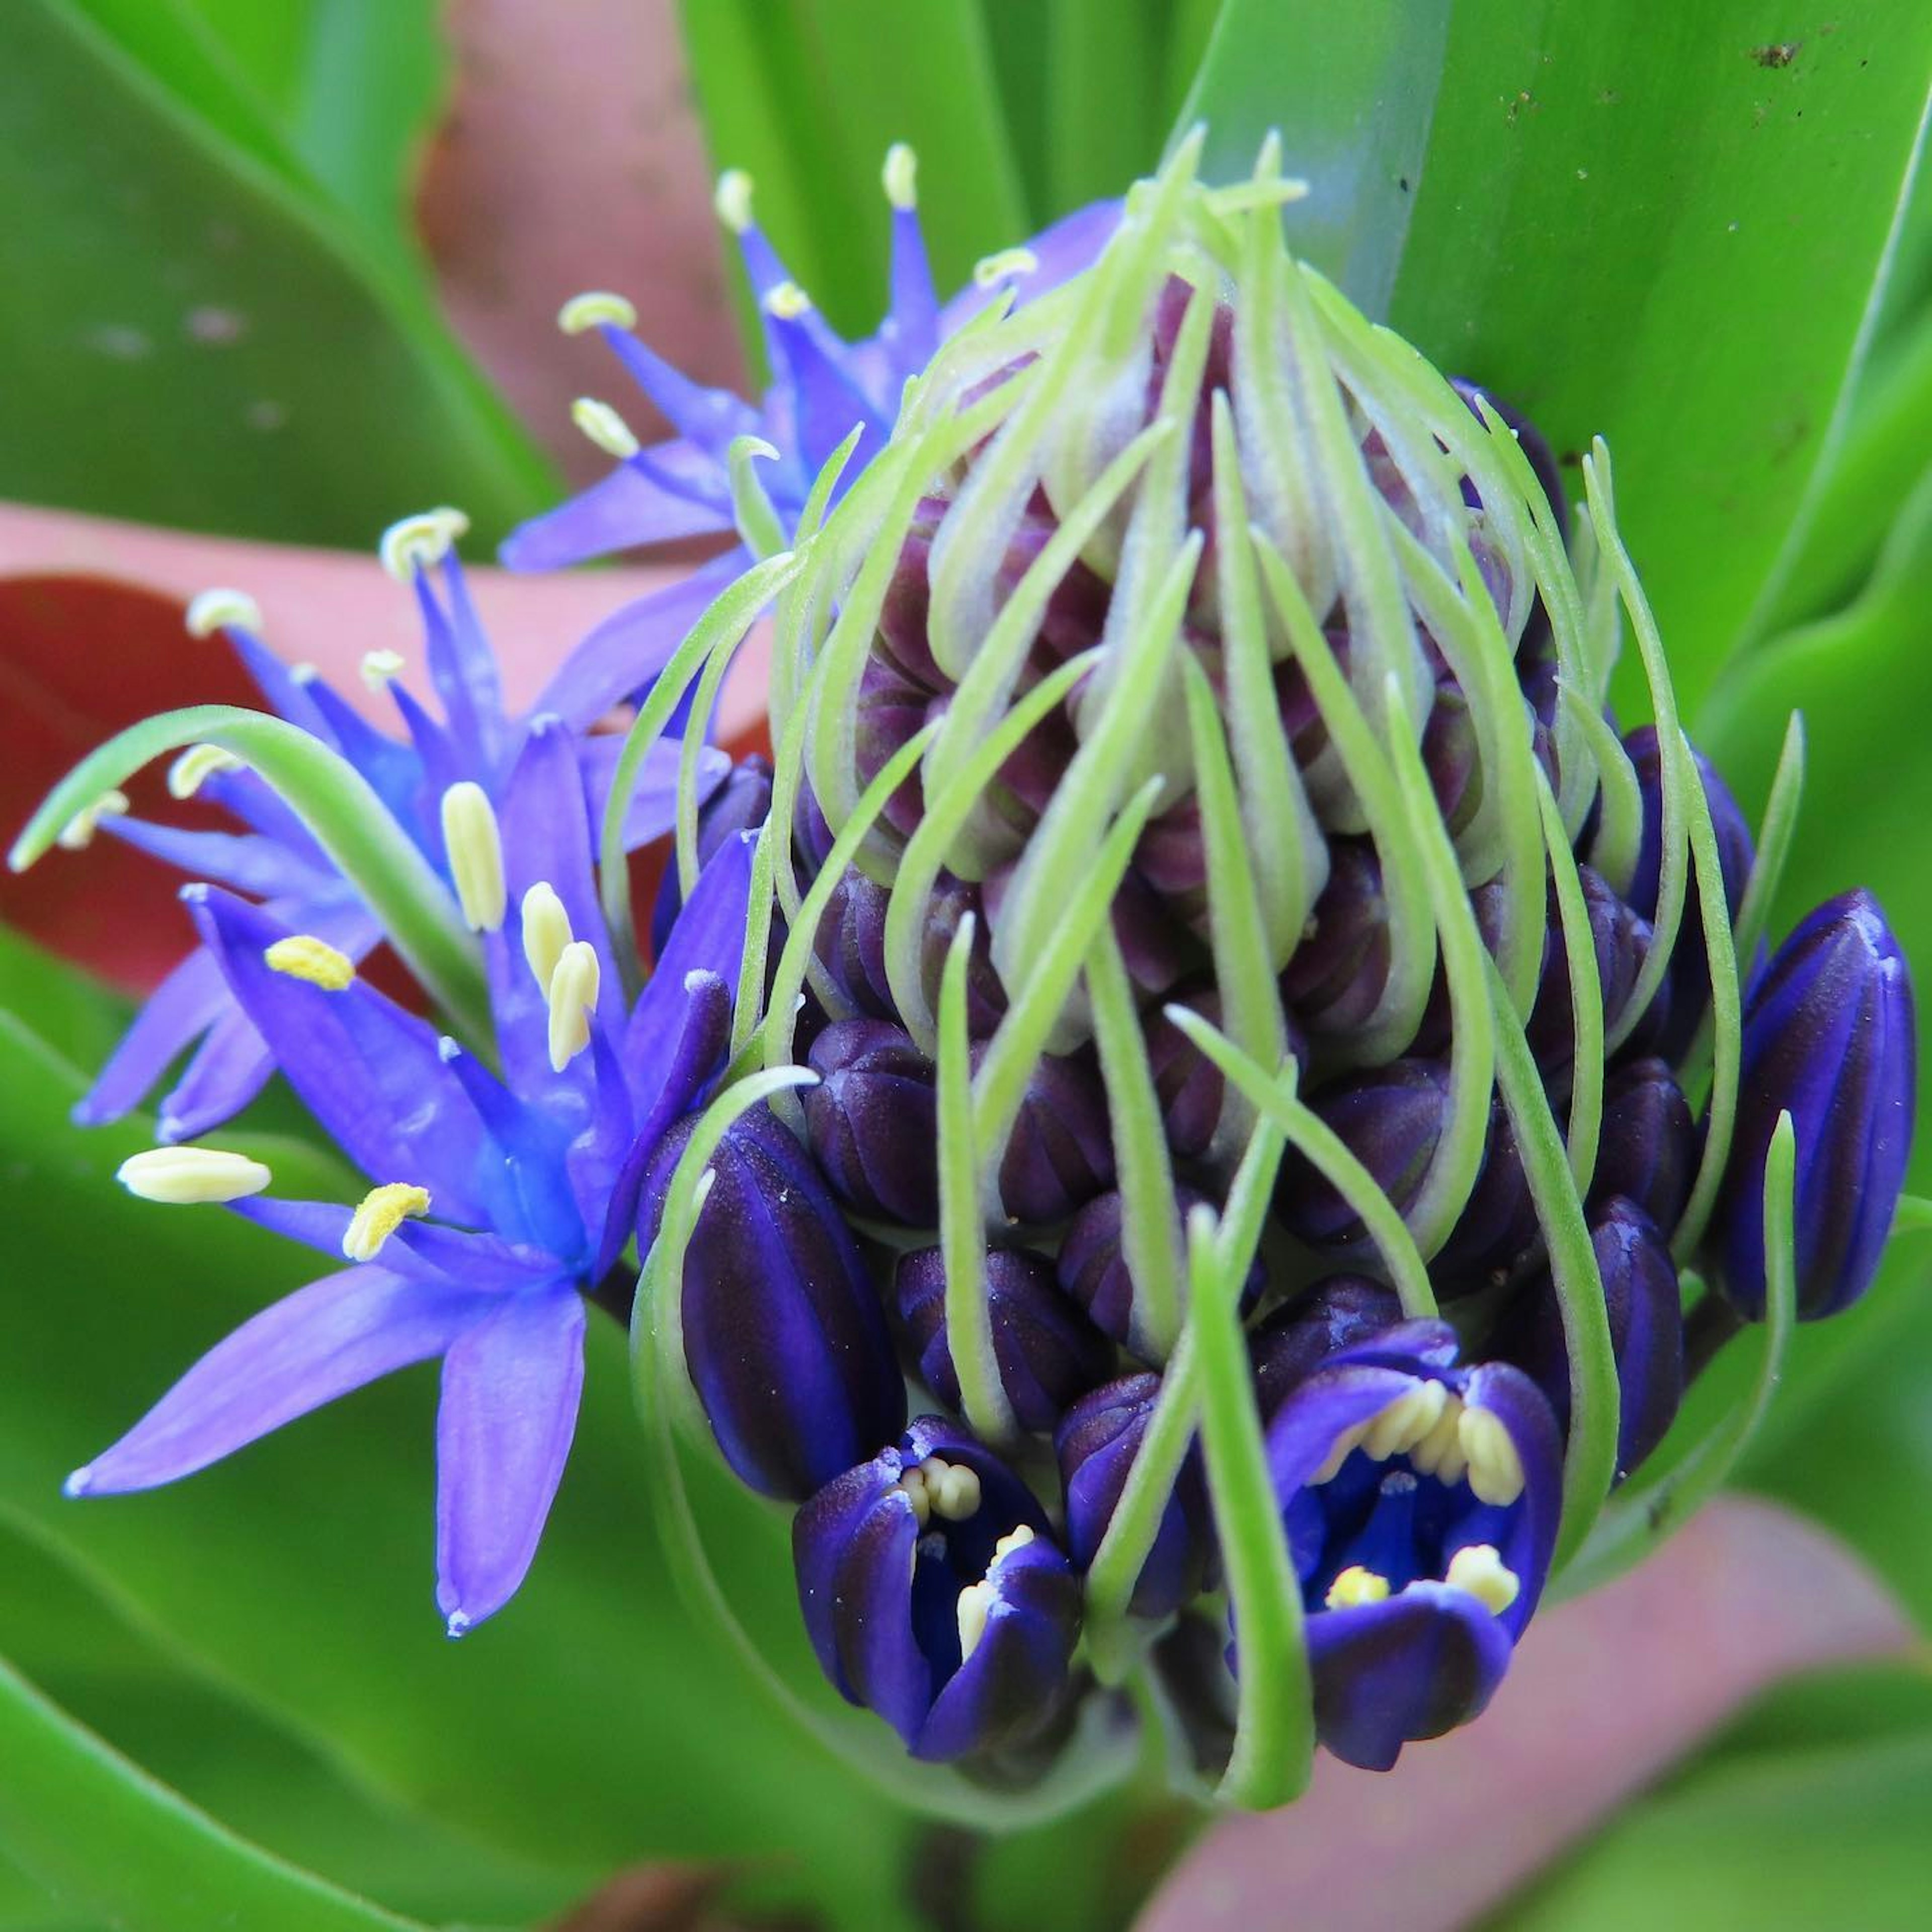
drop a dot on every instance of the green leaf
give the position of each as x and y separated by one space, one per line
1668 226
92 1827
1350 91
207 339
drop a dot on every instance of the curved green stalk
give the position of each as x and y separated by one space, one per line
337 804
1586 992
1774 840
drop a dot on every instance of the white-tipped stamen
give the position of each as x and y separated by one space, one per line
572 994
183 1176
1479 1572
1354 1587
303 956
222 609
787 301
77 834
197 766
383 1210
975 1607
415 543
378 667
1405 1421
605 427
991 270
475 845
593 309
732 198
1495 1469
900 177
547 932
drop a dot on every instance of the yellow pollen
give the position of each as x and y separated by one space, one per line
733 199
416 542
546 932
77 834
303 956
788 302
196 766
383 1210
993 269
1015 1540
605 427
214 611
975 1607
592 309
900 176
183 1175
1406 1421
1440 1453
1355 1586
1344 1446
475 849
1495 1470
952 1489
378 666
572 993
913 1482
1479 1572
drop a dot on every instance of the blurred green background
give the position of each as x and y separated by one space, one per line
274 269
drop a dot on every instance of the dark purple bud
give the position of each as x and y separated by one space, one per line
1648 1152
784 1335
741 804
1060 1152
1452 755
891 709
1094 1270
1301 1336
850 943
1829 1035
902 620
1535 446
1689 977
1096 1443
1339 971
1645 1307
1391 1118
1189 1085
872 1121
1076 612
933 1595
1191 1675
1620 938
952 899
810 832
1047 1352
1497 1225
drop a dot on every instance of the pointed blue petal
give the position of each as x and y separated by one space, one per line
681 492
245 861
182 1008
708 937
707 418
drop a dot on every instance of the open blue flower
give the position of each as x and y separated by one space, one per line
475 743
503 1196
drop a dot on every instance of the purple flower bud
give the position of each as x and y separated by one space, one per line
1096 1443
1689 978
892 709
1642 1299
1498 1225
850 943
1155 943
1189 1085
1452 755
1092 1267
1391 1118
740 804
1829 1035
784 1335
933 1595
1420 1501
1060 1152
1301 1336
952 899
1647 1152
1047 1352
1337 976
872 1121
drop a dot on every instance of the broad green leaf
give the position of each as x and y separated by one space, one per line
1667 226
93 1828
206 340
1350 91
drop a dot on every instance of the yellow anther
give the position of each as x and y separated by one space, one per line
415 543
379 667
953 1488
214 611
913 1482
974 1608
1354 1587
303 956
546 932
77 834
900 176
733 199
788 302
1440 1452
1480 1571
991 270
182 1175
1015 1540
383 1210
196 766
573 994
592 309
605 427
1405 1421
1344 1446
1495 1470
475 849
